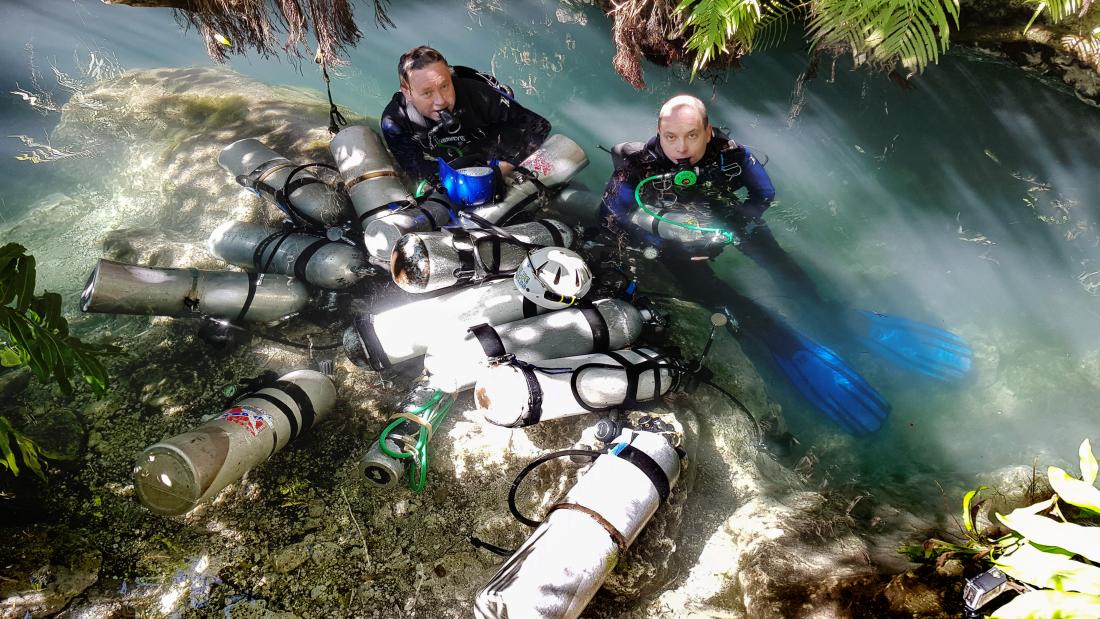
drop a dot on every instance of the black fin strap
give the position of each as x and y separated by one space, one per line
647 465
555 234
601 337
253 283
284 409
258 263
302 261
376 355
301 398
530 308
489 339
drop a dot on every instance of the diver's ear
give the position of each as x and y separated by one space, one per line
405 90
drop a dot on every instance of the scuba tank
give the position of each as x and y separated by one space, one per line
695 226
579 204
118 288
395 335
266 172
370 177
406 441
608 324
558 570
174 475
426 261
555 163
383 233
316 260
521 394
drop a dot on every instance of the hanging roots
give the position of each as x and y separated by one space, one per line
649 28
232 26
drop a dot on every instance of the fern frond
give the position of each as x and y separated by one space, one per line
912 32
776 22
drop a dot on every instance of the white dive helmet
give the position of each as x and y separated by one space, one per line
553 277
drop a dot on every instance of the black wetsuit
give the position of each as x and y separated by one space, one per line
491 125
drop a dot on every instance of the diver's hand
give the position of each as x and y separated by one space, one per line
506 168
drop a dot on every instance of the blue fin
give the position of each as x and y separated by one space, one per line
824 379
916 346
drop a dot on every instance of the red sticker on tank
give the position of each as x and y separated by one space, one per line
539 163
252 419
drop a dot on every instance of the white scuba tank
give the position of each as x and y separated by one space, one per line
267 172
367 168
426 261
514 395
555 163
557 571
382 339
174 475
454 361
118 288
383 232
317 260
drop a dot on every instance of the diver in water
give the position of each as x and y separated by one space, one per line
451 112
677 193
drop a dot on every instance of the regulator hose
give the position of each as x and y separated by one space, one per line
730 237
432 412
543 459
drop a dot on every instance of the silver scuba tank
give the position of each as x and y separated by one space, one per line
517 395
383 470
555 163
693 216
118 288
557 571
266 172
382 339
454 361
382 233
370 177
426 261
174 475
317 260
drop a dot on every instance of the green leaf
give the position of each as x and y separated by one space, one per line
7 456
1049 570
1050 605
30 455
9 357
1073 490
1088 462
968 511
1084 541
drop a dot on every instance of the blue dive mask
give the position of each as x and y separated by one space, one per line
472 186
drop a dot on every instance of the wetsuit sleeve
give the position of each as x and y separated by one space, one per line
759 185
618 206
406 152
513 132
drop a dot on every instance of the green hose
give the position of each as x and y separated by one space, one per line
421 188
433 411
729 236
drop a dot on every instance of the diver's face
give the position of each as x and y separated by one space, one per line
684 135
430 90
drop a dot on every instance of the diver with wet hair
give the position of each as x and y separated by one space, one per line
455 112
677 195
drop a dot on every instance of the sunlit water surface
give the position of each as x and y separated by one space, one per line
967 201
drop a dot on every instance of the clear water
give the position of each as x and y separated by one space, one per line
968 202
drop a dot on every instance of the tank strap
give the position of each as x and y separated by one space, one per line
646 464
282 196
376 355
191 300
601 337
655 224
302 261
530 308
301 398
489 339
254 280
466 248
633 372
616 536
291 420
555 233
278 238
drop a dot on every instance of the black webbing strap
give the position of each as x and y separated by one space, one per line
529 175
530 308
633 372
466 249
489 339
656 372
291 185
644 463
302 260
256 180
376 356
601 337
371 213
258 262
291 420
253 283
534 395
301 398
656 223
428 216
555 234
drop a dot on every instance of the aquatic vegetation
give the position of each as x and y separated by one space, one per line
33 332
1050 548
12 440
